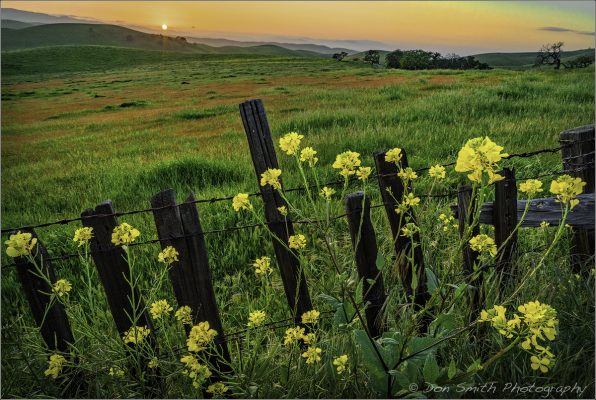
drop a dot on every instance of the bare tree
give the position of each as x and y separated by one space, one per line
340 56
549 54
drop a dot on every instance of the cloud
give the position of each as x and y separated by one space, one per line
561 29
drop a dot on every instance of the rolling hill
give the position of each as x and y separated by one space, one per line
524 59
317 48
13 24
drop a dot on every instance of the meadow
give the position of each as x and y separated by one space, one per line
124 130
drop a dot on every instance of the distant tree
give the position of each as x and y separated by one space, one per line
340 56
181 38
420 59
417 59
579 62
372 57
549 54
356 59
392 59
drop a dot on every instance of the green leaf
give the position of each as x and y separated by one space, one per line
359 291
332 301
475 366
432 282
380 261
443 324
371 361
431 369
414 279
452 369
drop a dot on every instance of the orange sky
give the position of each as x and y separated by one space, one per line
464 27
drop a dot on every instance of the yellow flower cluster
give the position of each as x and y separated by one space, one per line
394 155
407 174
448 222
116 371
160 308
256 318
271 177
483 244
297 242
200 337
290 143
262 266
480 156
83 235
310 317
217 389
282 210
566 188
124 234
363 173
20 244
184 315
341 363
136 334
409 230
241 202
61 287
312 355
347 163
168 255
55 365
437 172
531 187
196 371
327 192
535 324
293 335
308 155
153 363
407 202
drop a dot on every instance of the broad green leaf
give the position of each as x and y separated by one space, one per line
431 369
371 362
452 369
431 280
380 261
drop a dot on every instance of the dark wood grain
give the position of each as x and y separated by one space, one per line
505 218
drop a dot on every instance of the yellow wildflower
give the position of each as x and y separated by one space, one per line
55 365
168 255
341 363
483 244
293 335
297 242
61 287
136 334
262 266
448 222
184 315
437 172
312 355
531 187
347 162
542 363
197 372
566 188
544 224
83 236
308 155
309 338
394 155
116 371
160 308
290 143
200 336
407 174
241 202
363 173
327 192
479 156
410 229
256 318
271 177
217 389
283 210
124 234
310 317
20 244
154 363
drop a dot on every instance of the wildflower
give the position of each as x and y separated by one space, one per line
55 365
312 355
271 177
309 338
540 318
293 335
20 244
262 266
544 225
124 234
341 363
297 242
168 255
411 200
154 363
290 143
283 210
199 373
531 187
308 155
136 334
410 229
479 156
184 315
483 244
407 174
394 155
256 318
566 189
310 317
540 363
83 235
347 162
62 287
200 336
241 202
437 171
363 173
448 222
116 371
160 308
217 389
327 192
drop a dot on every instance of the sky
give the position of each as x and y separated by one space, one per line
466 27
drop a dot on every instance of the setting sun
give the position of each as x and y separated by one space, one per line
164 27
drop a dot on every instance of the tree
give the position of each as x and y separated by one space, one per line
580 62
549 54
340 56
392 59
372 57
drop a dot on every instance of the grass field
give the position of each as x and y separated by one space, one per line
77 136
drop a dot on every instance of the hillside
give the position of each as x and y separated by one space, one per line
524 59
12 24
317 48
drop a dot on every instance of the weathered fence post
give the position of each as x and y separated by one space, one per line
180 227
392 192
365 247
578 158
264 157
114 271
505 218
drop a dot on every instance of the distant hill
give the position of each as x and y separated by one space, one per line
524 59
360 56
316 48
39 18
12 24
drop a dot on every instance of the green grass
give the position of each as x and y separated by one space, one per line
69 142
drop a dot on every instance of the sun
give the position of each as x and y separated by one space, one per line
164 27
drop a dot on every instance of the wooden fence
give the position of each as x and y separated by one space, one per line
178 225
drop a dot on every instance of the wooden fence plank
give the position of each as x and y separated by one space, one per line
505 218
264 157
365 248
